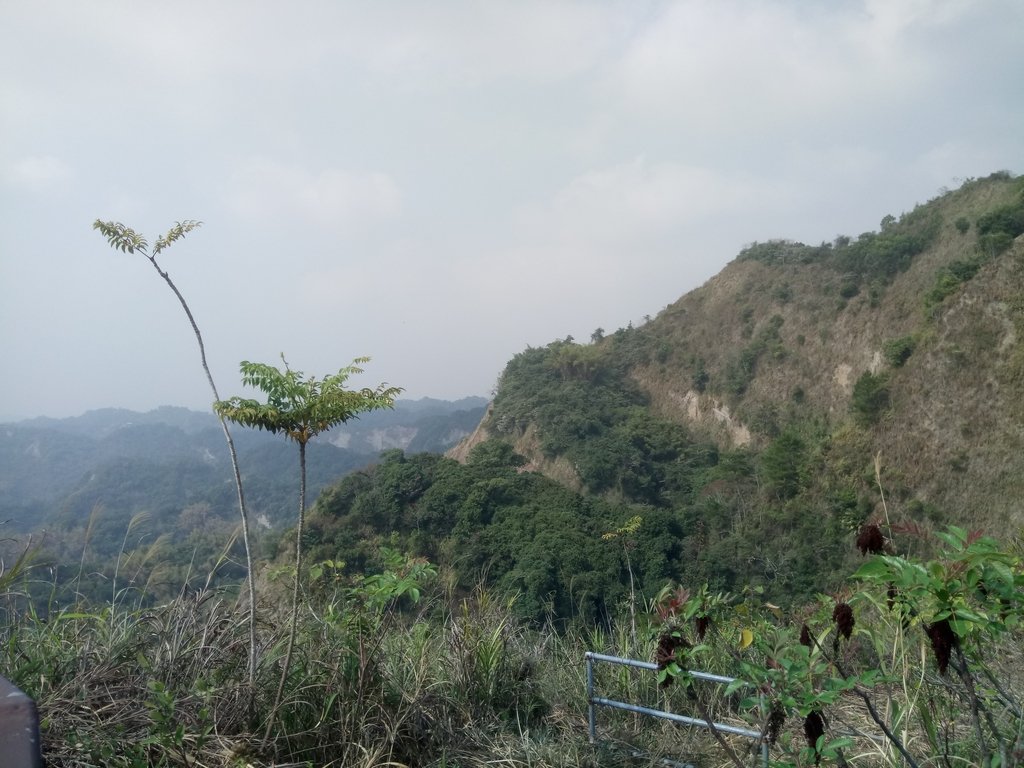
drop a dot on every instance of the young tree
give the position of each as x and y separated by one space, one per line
300 409
127 240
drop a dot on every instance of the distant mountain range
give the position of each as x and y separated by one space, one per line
54 471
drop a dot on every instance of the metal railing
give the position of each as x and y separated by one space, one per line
595 701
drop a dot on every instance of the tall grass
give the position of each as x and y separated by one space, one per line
396 670
374 682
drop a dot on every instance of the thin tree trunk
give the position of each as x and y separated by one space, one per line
235 470
293 623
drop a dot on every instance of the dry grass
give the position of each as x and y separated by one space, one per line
454 684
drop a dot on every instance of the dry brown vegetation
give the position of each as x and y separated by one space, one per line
952 438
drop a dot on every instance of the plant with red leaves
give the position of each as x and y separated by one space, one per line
670 604
671 646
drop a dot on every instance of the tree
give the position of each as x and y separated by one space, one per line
127 240
300 409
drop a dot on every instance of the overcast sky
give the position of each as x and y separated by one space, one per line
439 185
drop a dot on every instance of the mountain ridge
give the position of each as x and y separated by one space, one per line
927 309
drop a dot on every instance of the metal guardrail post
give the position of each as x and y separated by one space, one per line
19 728
591 706
764 741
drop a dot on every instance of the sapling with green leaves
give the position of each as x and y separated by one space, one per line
300 408
627 534
127 240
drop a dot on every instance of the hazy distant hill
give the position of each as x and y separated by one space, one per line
413 425
56 470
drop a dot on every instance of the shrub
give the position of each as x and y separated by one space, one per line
849 289
898 351
925 650
949 279
997 228
870 398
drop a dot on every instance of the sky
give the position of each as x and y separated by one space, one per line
440 185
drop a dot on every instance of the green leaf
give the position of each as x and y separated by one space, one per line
874 568
843 742
963 614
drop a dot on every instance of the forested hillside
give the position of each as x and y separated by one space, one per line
745 434
159 483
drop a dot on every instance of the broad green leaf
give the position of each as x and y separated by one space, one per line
874 568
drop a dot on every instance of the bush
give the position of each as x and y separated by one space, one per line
997 228
870 398
849 289
898 351
949 279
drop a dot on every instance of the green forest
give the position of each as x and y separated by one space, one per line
804 476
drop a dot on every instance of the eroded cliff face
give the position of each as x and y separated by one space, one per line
526 445
705 413
460 451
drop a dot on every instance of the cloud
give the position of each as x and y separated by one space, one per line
888 19
734 68
469 43
265 190
640 199
38 173
611 244
470 176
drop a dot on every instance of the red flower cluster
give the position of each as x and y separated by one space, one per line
776 719
805 636
814 728
842 615
870 540
943 642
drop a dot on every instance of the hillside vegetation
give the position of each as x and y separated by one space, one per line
753 426
783 478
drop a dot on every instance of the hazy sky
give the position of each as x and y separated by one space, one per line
440 184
